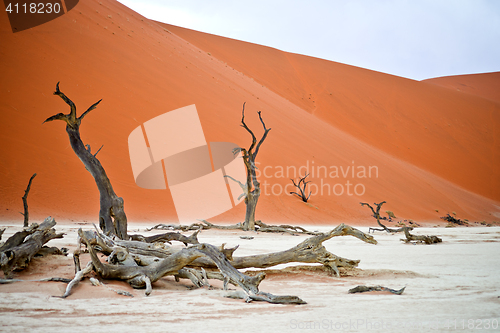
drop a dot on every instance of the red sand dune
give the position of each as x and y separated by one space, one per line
486 85
433 148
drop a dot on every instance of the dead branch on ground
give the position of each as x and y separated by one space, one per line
419 238
364 289
259 226
51 279
18 250
167 237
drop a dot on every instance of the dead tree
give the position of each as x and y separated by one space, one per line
25 202
251 189
112 218
302 189
143 276
140 263
18 250
376 214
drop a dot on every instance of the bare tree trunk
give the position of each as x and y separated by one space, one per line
25 202
252 186
112 218
251 202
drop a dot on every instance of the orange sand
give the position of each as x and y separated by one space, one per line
434 148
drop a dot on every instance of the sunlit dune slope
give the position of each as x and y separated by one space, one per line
449 133
426 150
486 85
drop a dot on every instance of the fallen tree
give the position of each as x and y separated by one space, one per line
141 264
419 238
258 226
17 252
364 289
143 276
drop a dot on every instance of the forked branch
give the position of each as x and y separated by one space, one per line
264 136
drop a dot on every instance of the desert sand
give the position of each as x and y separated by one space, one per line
447 284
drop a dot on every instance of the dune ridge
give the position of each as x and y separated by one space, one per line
485 85
439 155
